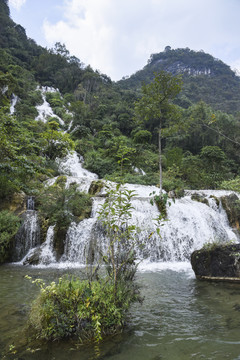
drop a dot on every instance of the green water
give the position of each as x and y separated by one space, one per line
181 318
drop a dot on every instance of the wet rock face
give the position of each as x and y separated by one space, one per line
231 205
33 258
217 261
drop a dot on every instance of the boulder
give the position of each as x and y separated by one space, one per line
33 258
217 261
96 187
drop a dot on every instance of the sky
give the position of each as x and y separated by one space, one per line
117 37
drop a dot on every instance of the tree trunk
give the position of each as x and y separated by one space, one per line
160 159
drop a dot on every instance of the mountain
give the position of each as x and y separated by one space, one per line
205 78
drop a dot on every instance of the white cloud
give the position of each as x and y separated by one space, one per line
117 37
17 4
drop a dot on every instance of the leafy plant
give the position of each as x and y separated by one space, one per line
9 225
62 204
77 308
115 215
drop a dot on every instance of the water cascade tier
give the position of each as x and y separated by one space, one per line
28 236
188 226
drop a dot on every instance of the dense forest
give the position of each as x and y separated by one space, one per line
99 119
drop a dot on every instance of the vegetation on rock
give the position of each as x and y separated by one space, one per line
78 308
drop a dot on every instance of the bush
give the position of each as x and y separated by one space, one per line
61 204
233 185
99 163
74 307
9 225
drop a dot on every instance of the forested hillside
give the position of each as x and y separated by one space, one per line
205 78
97 117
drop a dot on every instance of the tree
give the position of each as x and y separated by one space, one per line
115 215
156 107
56 143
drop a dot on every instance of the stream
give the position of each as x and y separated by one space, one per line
180 318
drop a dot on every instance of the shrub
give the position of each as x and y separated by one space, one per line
61 204
74 307
233 185
9 225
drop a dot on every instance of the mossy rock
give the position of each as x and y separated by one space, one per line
216 199
33 258
217 261
231 205
59 240
44 225
95 187
199 198
15 203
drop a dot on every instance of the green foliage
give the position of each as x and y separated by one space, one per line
9 225
60 204
174 156
115 215
156 108
100 118
19 159
233 185
204 78
83 309
96 162
56 143
212 245
172 180
214 163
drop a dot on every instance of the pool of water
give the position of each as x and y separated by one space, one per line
180 318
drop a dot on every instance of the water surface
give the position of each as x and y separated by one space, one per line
181 318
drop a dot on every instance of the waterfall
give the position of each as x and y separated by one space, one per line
47 255
72 165
14 101
189 225
44 110
30 203
28 236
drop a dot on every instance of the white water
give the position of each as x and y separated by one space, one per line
47 255
189 225
72 165
14 101
28 236
44 110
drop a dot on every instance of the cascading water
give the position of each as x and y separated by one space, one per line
30 203
14 101
44 110
47 255
28 236
188 226
72 166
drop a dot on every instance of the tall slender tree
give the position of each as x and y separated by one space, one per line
156 107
